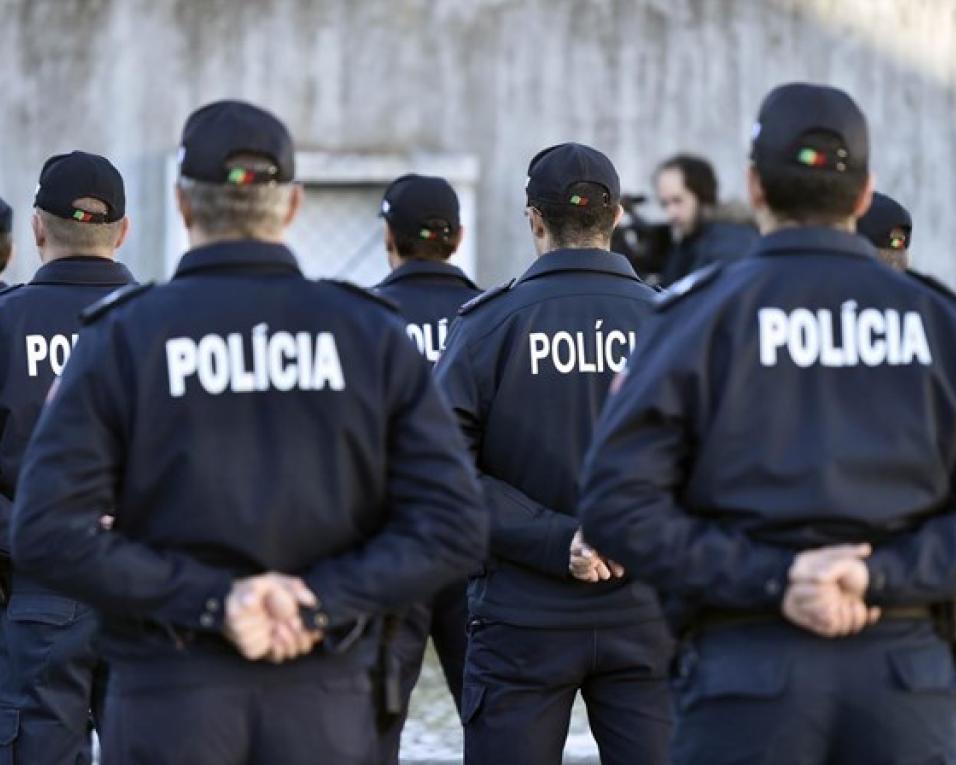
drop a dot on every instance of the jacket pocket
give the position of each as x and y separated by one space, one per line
924 669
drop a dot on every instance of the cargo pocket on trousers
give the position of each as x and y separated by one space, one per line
726 679
472 696
924 669
45 609
9 729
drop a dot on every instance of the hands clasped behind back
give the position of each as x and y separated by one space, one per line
587 565
262 618
826 591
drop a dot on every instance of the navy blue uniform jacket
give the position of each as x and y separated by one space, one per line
526 370
38 323
242 419
428 293
803 396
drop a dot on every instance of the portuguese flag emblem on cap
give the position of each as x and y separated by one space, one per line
812 158
240 177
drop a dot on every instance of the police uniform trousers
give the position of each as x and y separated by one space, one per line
771 694
52 678
446 621
264 715
520 684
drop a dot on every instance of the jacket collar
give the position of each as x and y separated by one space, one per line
412 268
600 261
806 239
83 269
238 255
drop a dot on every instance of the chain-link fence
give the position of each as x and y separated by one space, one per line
339 235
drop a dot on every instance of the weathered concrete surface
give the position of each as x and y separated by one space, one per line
497 78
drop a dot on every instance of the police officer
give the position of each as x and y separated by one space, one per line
526 369
51 674
280 468
889 227
748 468
422 231
6 237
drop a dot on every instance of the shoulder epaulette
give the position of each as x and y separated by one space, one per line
366 293
690 283
116 298
930 281
10 288
485 296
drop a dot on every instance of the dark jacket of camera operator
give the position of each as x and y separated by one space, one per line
703 232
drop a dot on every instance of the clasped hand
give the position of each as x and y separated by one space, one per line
588 565
262 617
826 590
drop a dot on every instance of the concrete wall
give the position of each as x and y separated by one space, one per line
496 78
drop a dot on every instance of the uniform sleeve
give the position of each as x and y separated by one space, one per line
917 567
526 532
437 527
636 467
522 530
456 379
70 479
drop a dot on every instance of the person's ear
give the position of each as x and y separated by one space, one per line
123 233
185 210
618 214
755 192
389 238
295 204
459 237
865 199
39 234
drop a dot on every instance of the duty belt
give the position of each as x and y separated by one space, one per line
719 617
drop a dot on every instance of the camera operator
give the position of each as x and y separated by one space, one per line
703 231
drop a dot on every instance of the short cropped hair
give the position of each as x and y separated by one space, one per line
573 225
414 247
255 211
698 173
69 234
809 195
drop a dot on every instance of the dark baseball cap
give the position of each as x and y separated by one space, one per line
885 217
219 131
553 171
812 126
66 178
421 205
6 218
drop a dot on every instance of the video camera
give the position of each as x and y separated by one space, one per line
644 243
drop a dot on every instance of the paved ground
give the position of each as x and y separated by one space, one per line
432 735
